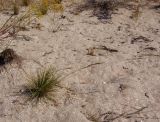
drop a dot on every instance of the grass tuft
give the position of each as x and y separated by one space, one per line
43 85
43 6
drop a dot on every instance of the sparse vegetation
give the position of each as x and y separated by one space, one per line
109 63
43 6
43 85
40 7
102 9
14 24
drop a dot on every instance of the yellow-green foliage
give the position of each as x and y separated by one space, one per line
41 7
38 7
56 5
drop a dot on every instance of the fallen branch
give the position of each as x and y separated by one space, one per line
111 116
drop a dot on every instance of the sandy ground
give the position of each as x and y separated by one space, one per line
119 79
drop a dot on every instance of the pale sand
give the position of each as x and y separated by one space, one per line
125 81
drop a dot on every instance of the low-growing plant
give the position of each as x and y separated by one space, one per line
43 85
14 24
56 5
41 7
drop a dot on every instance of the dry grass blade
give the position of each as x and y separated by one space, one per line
13 25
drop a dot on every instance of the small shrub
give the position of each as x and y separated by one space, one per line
56 5
44 6
43 85
41 7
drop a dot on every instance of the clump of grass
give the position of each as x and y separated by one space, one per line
41 7
44 6
56 5
43 85
14 24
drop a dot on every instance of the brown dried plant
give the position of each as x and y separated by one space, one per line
14 24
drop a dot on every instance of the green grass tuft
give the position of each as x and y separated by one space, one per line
43 85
